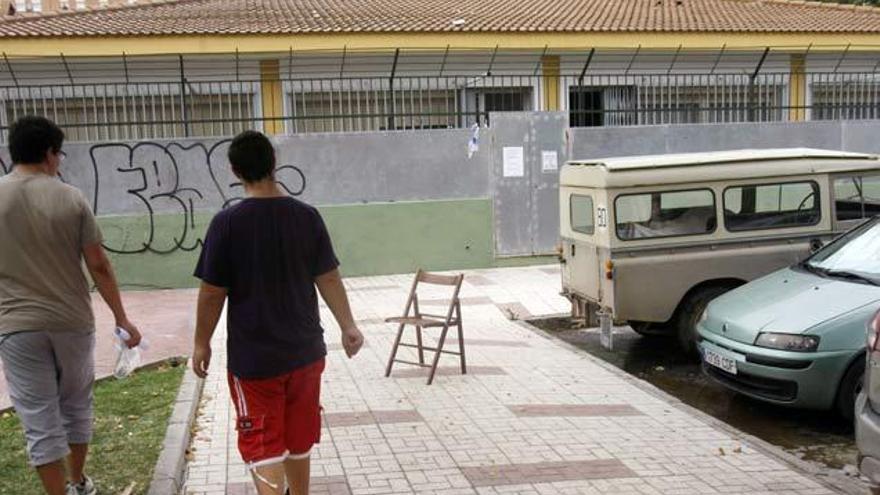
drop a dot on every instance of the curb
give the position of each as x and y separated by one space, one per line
168 475
832 481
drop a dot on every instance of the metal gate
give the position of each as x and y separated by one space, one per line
527 150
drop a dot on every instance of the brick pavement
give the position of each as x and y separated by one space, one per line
165 317
532 416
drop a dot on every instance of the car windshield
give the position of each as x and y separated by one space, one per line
855 255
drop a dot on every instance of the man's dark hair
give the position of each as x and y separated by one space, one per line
31 137
252 156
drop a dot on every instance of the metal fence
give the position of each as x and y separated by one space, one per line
184 108
652 99
845 96
412 102
101 112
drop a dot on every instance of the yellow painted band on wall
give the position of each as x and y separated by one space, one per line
550 70
214 44
272 97
797 96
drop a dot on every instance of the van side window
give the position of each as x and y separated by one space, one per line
581 208
857 197
771 206
665 214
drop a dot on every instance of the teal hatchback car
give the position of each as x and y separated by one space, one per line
797 336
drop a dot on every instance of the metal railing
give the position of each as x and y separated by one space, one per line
100 112
404 103
184 108
845 96
676 99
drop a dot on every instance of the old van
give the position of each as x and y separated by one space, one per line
650 240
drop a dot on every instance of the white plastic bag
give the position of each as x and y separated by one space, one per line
128 359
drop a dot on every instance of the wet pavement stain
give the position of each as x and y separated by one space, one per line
816 436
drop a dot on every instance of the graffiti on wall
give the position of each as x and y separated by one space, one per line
160 187
147 179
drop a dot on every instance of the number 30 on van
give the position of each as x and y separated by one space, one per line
602 217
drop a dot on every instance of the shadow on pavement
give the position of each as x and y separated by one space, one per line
816 436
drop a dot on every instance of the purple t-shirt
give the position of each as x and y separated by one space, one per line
267 252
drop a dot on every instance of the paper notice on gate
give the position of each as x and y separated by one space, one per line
513 161
549 161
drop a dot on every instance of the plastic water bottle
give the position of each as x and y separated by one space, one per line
128 359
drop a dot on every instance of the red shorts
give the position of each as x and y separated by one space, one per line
279 417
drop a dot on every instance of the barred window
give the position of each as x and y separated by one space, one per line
846 100
142 111
371 110
676 100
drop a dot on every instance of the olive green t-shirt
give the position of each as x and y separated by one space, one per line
44 225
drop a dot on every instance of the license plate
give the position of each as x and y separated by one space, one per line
717 360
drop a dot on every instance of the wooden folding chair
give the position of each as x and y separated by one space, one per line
421 320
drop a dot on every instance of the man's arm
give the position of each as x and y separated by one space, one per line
331 289
210 306
102 274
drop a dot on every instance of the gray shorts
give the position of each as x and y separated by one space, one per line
50 377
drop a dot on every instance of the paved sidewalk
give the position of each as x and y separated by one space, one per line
166 318
532 416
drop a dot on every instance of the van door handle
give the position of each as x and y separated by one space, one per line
573 251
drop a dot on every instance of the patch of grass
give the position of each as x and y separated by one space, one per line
131 417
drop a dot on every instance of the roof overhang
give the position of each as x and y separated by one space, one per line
263 43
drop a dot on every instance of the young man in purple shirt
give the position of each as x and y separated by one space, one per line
266 255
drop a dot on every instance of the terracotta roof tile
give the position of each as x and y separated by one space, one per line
326 16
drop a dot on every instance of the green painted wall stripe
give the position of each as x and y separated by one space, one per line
382 238
370 239
149 270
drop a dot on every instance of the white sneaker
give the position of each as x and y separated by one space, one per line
87 487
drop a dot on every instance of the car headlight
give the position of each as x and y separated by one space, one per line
788 342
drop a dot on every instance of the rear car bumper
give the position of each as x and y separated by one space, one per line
786 378
868 439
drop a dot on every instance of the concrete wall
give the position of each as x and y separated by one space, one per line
392 201
323 169
598 142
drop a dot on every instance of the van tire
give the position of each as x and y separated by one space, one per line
649 328
849 388
689 315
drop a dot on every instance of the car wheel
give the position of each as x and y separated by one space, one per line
849 389
689 315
